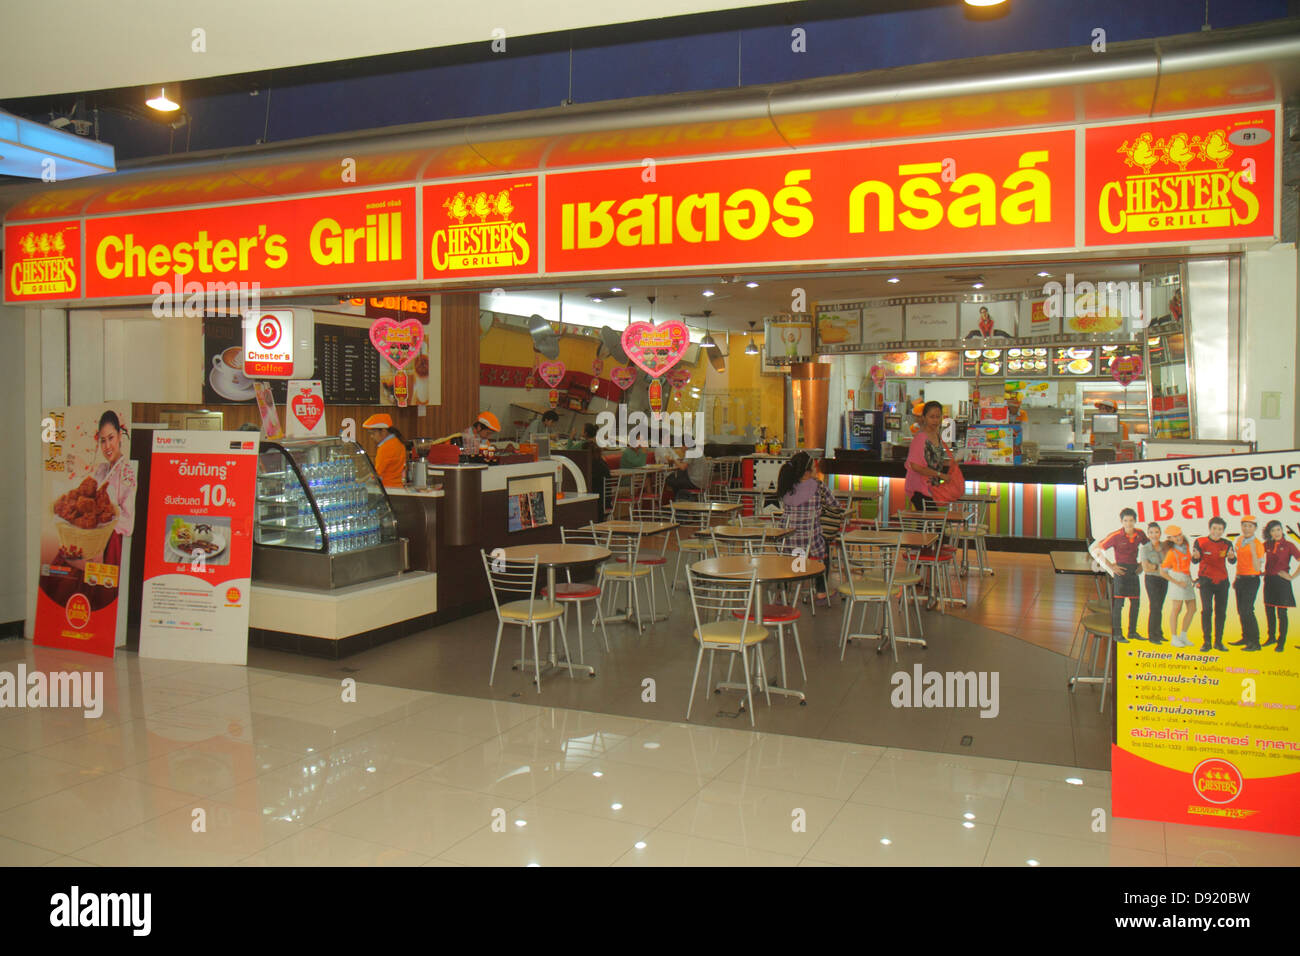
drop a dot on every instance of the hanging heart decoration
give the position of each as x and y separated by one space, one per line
679 377
552 373
398 342
622 376
877 376
1126 368
655 348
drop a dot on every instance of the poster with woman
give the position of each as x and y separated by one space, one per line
986 321
87 516
1206 680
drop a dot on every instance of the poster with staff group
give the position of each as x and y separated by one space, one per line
1202 554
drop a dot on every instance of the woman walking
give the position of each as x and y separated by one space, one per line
1177 570
925 459
1278 593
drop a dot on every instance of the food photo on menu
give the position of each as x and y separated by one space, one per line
192 538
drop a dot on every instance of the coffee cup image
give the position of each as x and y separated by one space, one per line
232 362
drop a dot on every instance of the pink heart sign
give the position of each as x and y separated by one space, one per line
1125 368
656 348
397 341
679 377
552 373
622 376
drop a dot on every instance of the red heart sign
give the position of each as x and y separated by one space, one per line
656 348
622 376
397 341
1126 368
308 409
551 373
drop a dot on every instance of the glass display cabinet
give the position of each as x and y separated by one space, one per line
323 519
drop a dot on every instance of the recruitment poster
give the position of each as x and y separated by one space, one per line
87 515
199 556
1208 676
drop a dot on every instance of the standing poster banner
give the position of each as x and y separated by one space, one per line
1202 553
87 516
199 556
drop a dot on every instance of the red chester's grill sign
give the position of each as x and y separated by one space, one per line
268 344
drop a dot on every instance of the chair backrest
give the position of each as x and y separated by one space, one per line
510 580
649 506
936 522
875 559
713 599
588 534
690 519
609 492
624 548
724 545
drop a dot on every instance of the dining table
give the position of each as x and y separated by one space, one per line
1082 563
552 556
769 569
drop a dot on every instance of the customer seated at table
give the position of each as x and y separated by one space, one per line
632 457
688 474
803 497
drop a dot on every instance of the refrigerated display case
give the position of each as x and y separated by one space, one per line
323 519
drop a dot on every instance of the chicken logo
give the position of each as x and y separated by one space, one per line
1180 181
482 235
45 268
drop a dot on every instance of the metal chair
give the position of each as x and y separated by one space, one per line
714 601
622 570
973 531
1096 628
631 488
726 546
784 612
506 578
939 559
720 480
698 548
869 579
576 594
609 495
649 509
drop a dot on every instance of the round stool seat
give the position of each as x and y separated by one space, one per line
1097 624
574 592
773 614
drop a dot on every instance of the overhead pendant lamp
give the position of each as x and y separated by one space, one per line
160 101
751 348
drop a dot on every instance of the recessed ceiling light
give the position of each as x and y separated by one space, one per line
983 3
162 103
639 844
651 745
521 823
885 841
596 298
1032 862
893 279
1077 781
597 773
1043 275
751 285
968 825
615 289
708 293
968 815
534 864
616 806
978 285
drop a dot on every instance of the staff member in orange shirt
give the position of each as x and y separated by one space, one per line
390 453
1250 570
1177 570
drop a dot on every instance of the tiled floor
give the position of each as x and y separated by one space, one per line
278 771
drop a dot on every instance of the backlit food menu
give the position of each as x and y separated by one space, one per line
1026 361
898 364
1074 362
346 365
981 362
939 364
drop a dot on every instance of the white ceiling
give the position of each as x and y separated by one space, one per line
733 305
61 46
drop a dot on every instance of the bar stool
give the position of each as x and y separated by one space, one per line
1096 627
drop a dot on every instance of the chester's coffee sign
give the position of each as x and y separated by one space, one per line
1182 180
42 260
482 227
268 344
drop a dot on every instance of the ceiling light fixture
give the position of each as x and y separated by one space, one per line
615 289
751 348
1043 275
751 285
161 102
708 293
893 279
984 3
978 285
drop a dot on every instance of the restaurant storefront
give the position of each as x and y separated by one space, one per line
1186 203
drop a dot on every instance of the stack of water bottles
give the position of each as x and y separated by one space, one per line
350 523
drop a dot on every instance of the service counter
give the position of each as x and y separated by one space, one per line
1039 508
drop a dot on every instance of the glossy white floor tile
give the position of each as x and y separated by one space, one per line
290 772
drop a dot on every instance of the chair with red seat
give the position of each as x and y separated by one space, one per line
568 592
939 558
778 614
649 509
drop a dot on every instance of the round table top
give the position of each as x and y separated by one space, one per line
556 555
770 567
636 527
745 532
910 539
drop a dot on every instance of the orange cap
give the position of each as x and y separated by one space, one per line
1172 529
488 419
1250 518
378 421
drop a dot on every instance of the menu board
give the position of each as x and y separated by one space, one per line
1074 362
346 365
882 324
839 326
981 362
1027 361
898 364
939 365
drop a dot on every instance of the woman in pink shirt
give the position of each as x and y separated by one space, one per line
925 460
